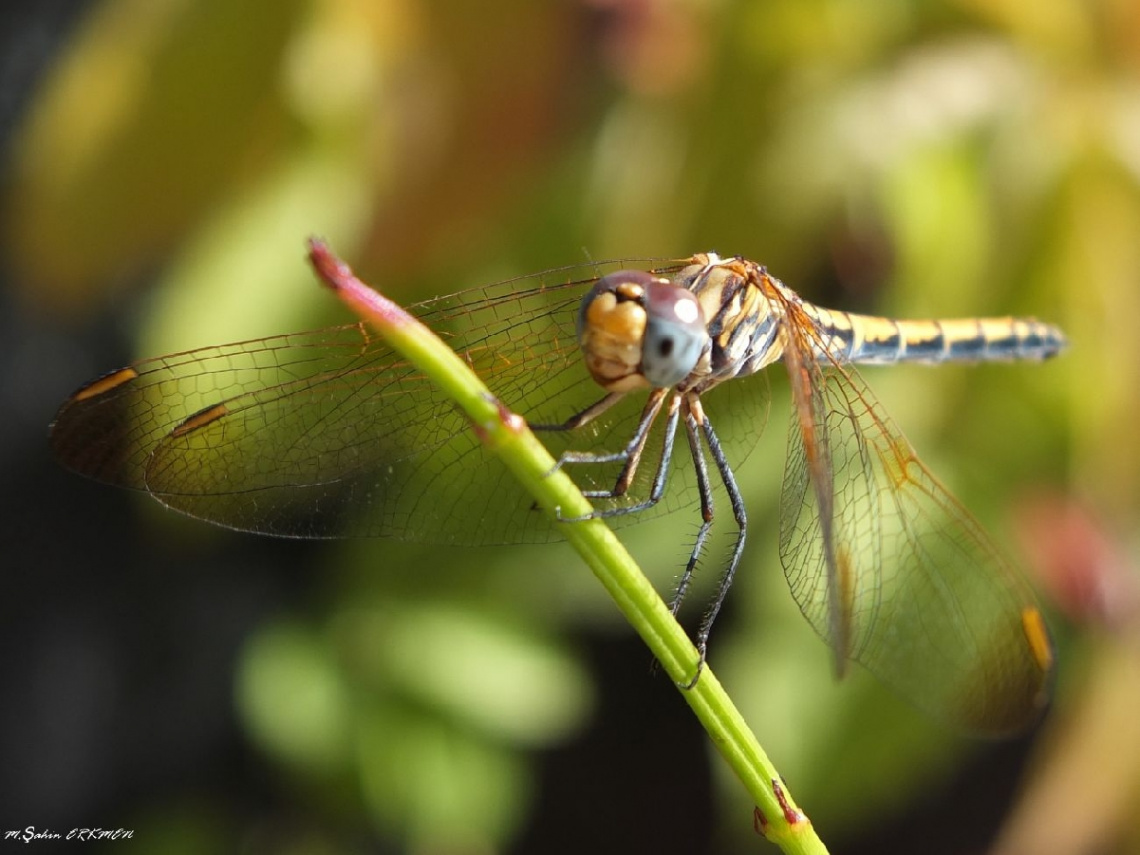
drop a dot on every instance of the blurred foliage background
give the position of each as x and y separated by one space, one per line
164 161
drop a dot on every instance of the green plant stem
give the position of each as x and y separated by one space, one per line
506 434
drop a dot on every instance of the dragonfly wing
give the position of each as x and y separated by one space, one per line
330 433
810 449
109 428
891 570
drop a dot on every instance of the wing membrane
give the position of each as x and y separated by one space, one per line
891 570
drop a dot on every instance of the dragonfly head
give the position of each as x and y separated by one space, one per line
637 330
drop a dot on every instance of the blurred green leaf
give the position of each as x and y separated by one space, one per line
506 682
292 697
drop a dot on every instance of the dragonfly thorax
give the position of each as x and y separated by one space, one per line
743 308
637 331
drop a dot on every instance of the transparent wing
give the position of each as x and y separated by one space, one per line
889 568
331 434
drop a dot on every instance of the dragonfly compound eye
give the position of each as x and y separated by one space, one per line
637 330
675 334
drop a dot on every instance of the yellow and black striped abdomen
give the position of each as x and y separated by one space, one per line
884 341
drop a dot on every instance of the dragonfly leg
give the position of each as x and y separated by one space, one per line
692 430
660 478
738 512
585 416
631 454
632 451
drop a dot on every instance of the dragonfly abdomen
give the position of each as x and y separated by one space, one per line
884 341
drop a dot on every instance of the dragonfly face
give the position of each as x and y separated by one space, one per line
638 330
330 433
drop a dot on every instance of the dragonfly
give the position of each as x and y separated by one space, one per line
331 433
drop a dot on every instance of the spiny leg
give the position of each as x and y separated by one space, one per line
576 421
660 478
692 430
585 416
741 516
631 454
